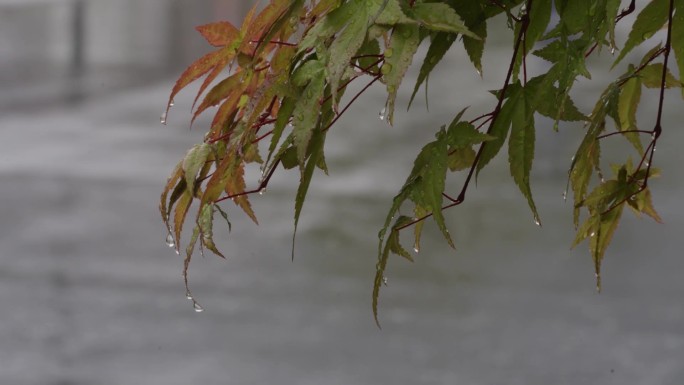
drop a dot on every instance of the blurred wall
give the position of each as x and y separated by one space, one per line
149 33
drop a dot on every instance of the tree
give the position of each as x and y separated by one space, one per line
291 62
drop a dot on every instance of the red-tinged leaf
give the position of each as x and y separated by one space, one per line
221 91
220 66
236 185
179 216
219 34
176 175
224 112
200 67
217 183
261 23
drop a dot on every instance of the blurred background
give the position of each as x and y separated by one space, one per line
90 294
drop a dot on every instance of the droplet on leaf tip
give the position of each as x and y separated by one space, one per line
162 118
593 233
198 308
177 252
169 241
262 191
537 221
416 249
565 195
172 103
384 281
382 114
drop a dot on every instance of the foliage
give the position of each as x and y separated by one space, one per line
291 62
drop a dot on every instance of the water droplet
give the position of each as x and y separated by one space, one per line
537 221
416 249
632 198
383 114
172 103
384 281
162 118
198 308
169 241
262 191
612 50
565 195
654 149
389 52
479 73
593 234
177 251
188 295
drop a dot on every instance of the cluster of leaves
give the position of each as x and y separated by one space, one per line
290 63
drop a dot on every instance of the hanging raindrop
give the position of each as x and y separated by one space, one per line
188 295
172 103
177 252
592 234
169 240
384 281
198 308
416 249
262 191
382 115
162 118
537 221
612 50
565 195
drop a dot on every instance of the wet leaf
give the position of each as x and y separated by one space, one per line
440 17
219 34
206 225
317 142
439 46
193 162
345 45
403 45
180 213
652 75
499 129
521 149
224 89
678 38
306 112
197 69
648 22
392 245
628 102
